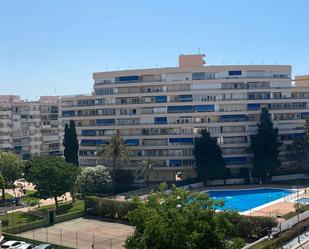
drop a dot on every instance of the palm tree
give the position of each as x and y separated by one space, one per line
116 151
146 167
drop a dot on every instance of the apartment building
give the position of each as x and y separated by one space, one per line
160 111
30 127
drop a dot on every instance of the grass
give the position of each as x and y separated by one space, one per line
31 192
17 218
8 196
65 207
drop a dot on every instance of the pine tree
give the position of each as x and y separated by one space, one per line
70 143
265 148
209 162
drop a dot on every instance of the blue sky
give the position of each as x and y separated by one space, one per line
58 44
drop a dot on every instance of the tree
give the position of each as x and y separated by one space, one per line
94 180
265 148
145 168
299 150
117 152
209 162
52 176
11 168
182 220
70 143
2 184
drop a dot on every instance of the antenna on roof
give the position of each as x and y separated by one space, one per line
55 90
199 50
118 67
179 51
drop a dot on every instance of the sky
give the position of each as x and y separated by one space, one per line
53 46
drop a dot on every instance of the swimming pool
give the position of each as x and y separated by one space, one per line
244 200
303 200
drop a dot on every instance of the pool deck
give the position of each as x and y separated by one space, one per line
275 209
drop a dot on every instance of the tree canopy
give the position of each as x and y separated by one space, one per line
208 157
52 176
94 180
11 168
265 147
181 220
70 143
299 150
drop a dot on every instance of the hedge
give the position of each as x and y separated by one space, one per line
27 227
9 236
69 216
108 207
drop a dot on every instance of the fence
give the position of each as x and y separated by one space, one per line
75 239
69 216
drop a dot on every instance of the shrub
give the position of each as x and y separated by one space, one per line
108 207
254 227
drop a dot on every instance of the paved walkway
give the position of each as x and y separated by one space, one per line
294 242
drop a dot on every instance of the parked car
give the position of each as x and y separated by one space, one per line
45 246
12 244
26 246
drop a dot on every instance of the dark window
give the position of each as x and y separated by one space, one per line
234 72
160 120
128 79
185 98
204 108
105 121
160 99
198 76
254 106
132 142
179 109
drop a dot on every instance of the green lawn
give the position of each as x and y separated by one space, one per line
8 196
66 207
30 192
17 218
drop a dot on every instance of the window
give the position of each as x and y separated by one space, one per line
254 106
185 98
204 108
68 113
160 99
104 91
132 142
179 109
105 121
198 76
88 132
160 120
234 72
123 79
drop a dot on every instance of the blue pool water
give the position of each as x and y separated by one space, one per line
303 200
244 200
